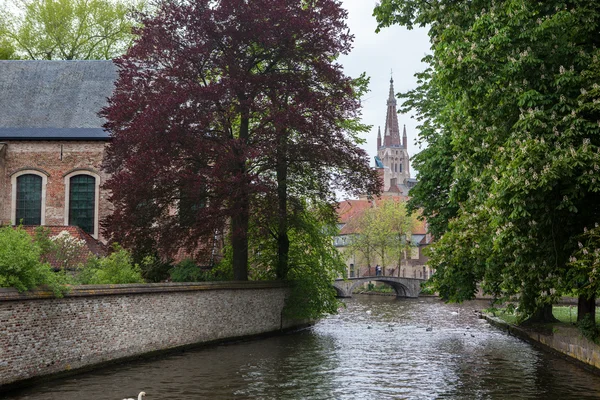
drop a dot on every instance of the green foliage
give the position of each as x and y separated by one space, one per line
315 264
7 50
584 265
383 234
154 269
509 108
20 265
589 328
427 289
116 268
66 29
188 271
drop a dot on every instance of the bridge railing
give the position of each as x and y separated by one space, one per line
364 272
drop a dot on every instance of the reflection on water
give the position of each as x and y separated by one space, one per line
376 348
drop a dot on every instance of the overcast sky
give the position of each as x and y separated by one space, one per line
394 48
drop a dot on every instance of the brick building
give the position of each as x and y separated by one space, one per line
52 143
413 264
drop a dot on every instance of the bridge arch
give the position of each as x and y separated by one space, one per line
398 287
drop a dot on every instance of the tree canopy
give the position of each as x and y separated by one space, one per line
225 111
67 29
383 234
509 107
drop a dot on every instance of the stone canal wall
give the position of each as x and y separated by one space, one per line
564 340
41 335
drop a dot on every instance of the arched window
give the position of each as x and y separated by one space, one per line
81 200
82 204
29 200
400 168
28 197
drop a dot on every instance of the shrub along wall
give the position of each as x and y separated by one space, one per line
41 335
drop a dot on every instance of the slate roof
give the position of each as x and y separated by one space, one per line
54 99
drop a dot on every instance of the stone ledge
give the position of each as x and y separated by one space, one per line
563 340
8 294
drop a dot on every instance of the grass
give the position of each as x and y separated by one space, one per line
565 314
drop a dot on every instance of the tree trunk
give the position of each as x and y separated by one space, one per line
283 241
239 241
585 307
543 314
241 208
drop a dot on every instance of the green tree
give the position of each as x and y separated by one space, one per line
20 265
401 224
67 29
116 268
362 246
509 107
383 233
314 261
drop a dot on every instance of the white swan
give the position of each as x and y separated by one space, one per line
142 394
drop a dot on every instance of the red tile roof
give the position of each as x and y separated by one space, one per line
350 211
90 245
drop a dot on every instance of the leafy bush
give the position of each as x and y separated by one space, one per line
588 328
426 288
154 270
116 268
20 265
188 271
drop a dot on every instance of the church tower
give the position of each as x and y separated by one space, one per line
392 154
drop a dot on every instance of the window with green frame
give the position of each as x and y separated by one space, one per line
29 200
82 202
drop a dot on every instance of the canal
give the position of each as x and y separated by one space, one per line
378 347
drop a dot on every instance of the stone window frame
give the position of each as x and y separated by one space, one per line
67 180
13 199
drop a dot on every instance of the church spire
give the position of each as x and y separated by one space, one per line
404 140
391 98
378 137
392 131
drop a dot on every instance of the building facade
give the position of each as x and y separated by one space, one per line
52 143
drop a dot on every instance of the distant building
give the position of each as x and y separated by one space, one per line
413 265
392 162
392 153
52 143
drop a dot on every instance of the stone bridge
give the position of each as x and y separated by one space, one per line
404 287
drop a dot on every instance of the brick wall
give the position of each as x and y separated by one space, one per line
41 335
55 158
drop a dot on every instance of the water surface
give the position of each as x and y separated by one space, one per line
378 347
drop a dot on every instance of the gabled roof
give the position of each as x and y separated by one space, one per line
41 97
350 211
90 245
